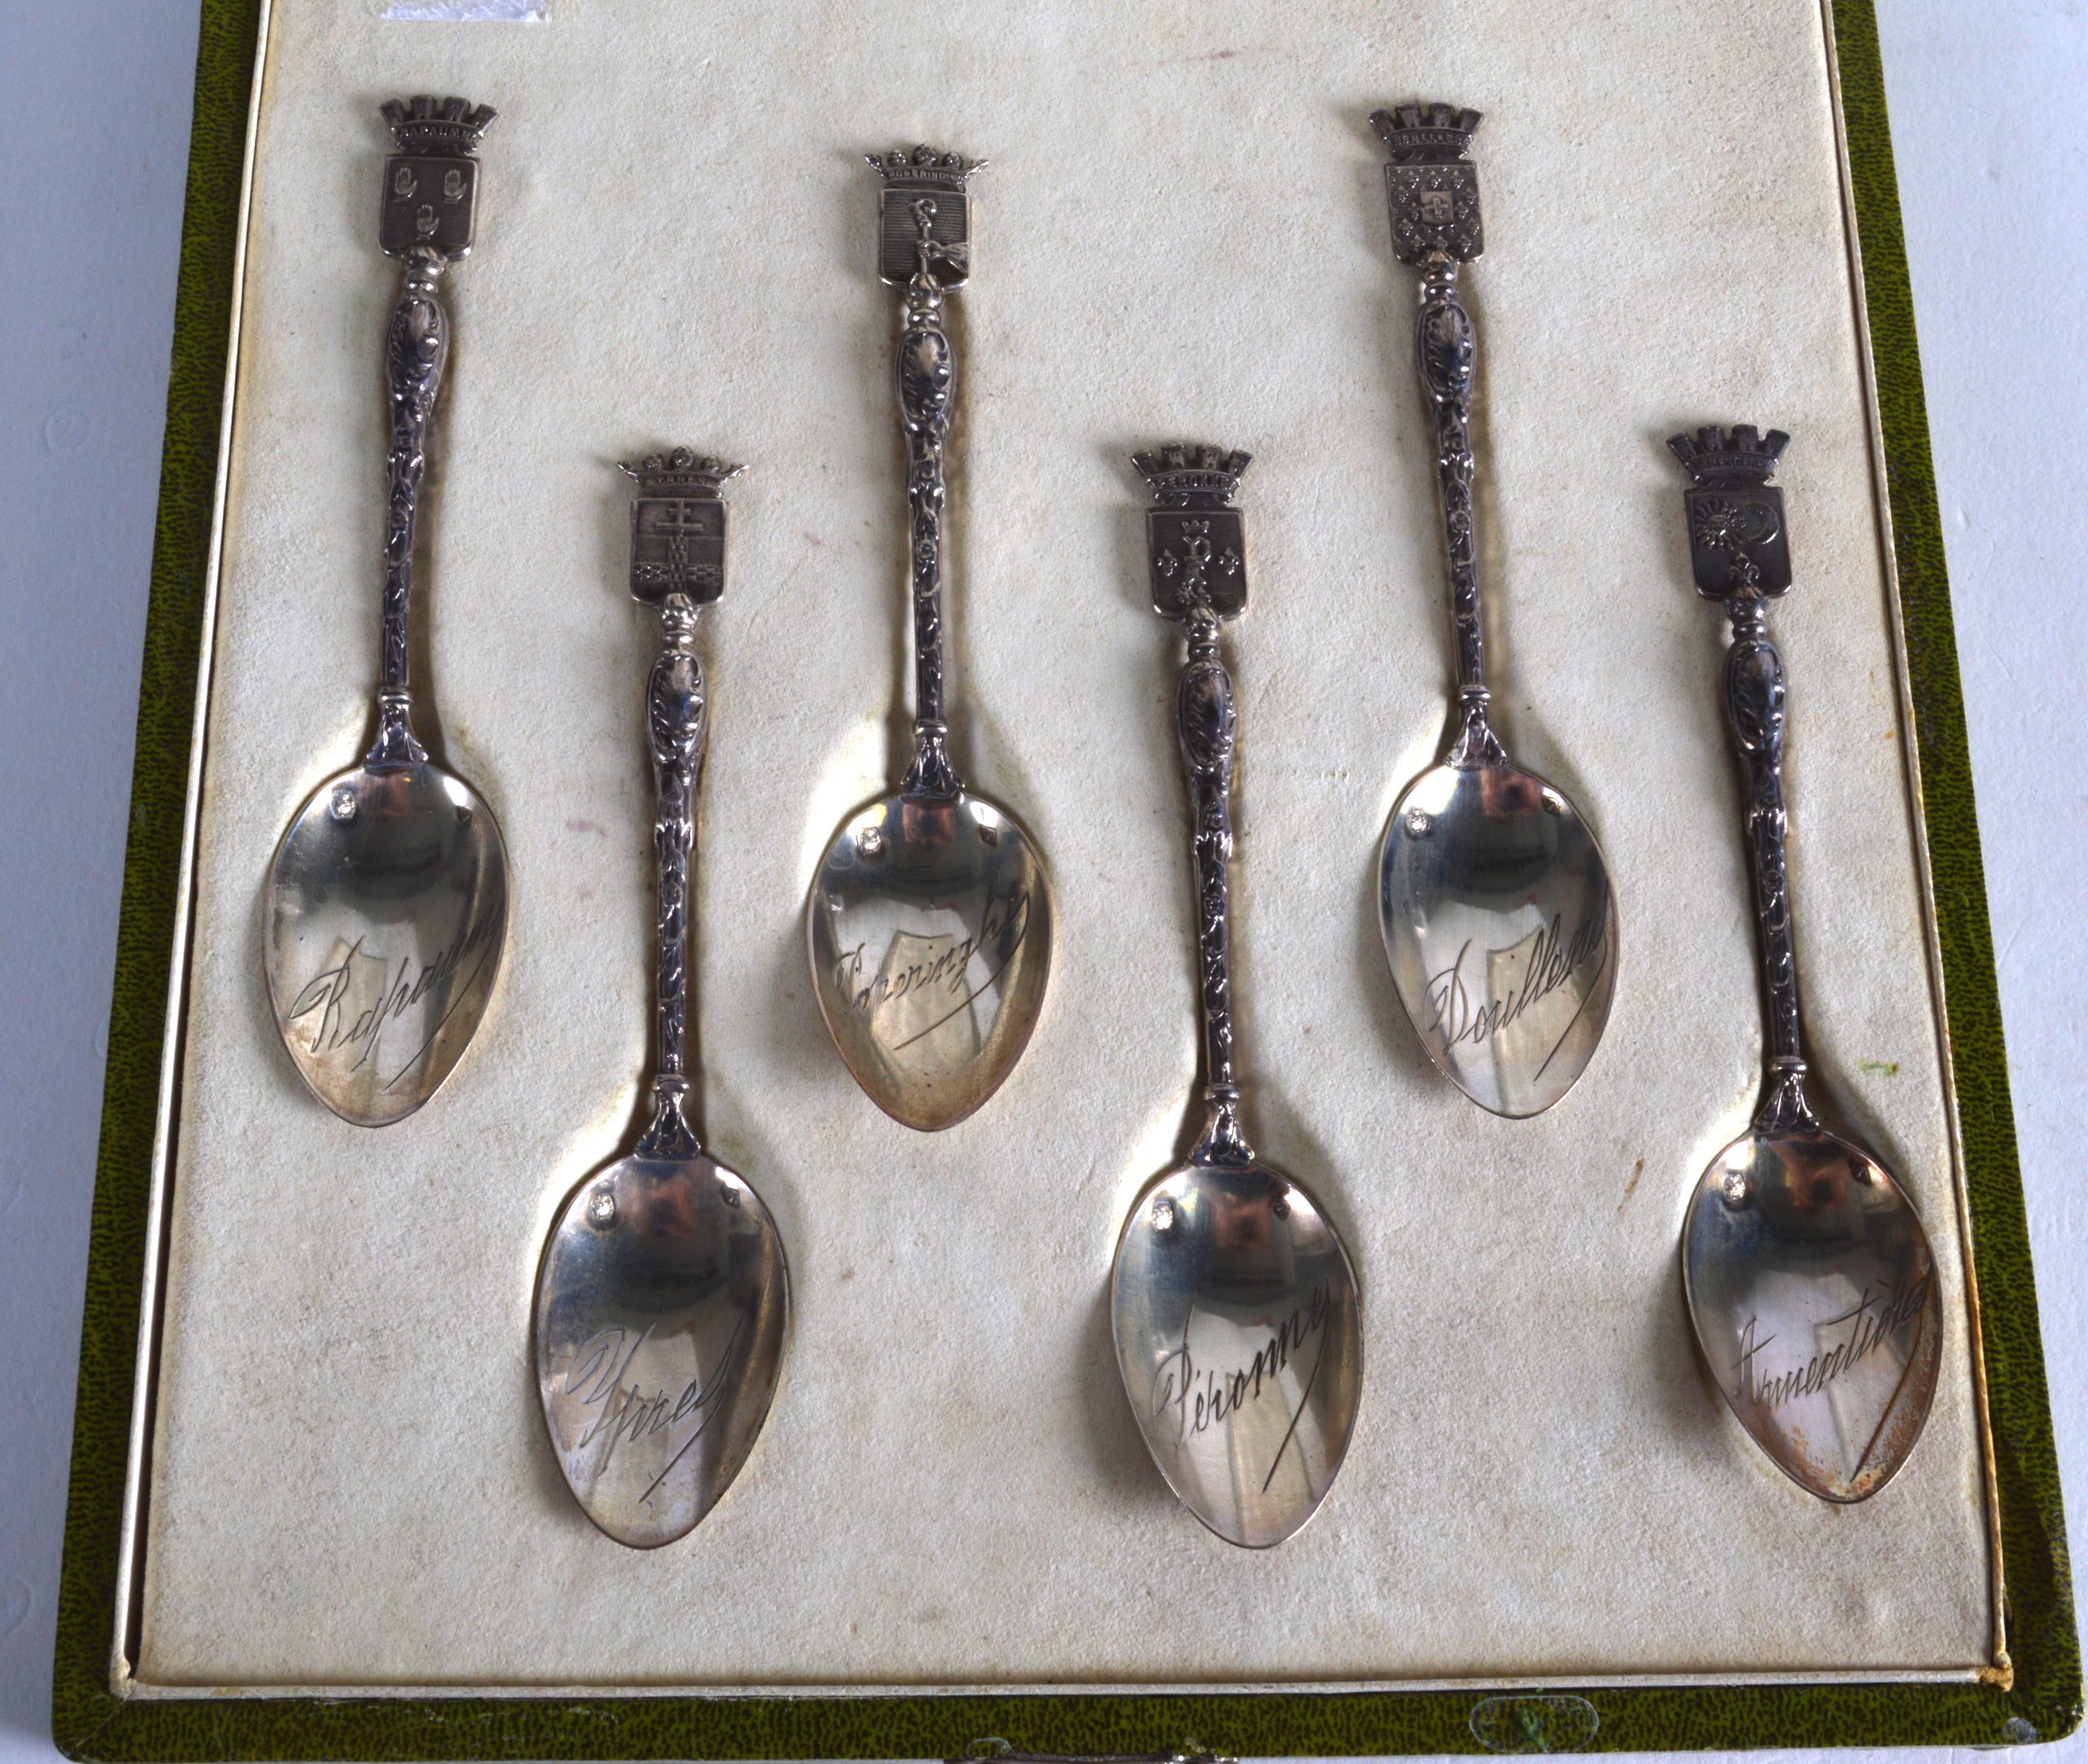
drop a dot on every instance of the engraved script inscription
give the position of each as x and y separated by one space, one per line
1470 1011
329 1022
923 983
1879 1312
628 1412
1203 1396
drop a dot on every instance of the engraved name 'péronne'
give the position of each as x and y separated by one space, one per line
1008 921
1464 1013
334 1029
1204 1397
1878 1314
626 1409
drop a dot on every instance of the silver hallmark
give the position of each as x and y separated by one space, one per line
664 1303
386 911
1232 1301
1809 1279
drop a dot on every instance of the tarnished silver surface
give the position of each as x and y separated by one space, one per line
929 923
386 912
1501 929
664 1303
1232 1300
387 908
930 933
1495 905
661 1319
1809 1277
1813 1294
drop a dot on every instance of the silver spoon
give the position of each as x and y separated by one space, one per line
929 923
1232 1300
1808 1275
386 905
1492 895
664 1303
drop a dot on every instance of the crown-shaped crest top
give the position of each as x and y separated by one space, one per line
1180 471
924 166
679 473
452 127
1424 135
1713 456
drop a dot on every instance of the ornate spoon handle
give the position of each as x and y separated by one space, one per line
1196 548
1207 719
431 193
677 724
1742 556
677 564
1434 195
924 246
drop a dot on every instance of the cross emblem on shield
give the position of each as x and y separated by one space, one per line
678 547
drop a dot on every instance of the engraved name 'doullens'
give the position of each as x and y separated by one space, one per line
1204 1397
404 988
1877 1315
1008 918
1465 1013
628 1411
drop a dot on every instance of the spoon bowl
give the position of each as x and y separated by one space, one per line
929 927
1240 1337
1500 927
1814 1297
661 1311
386 914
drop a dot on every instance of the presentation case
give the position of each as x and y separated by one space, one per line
313 1511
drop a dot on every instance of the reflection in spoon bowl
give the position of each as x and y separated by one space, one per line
929 928
387 911
660 1317
1814 1297
1501 927
1240 1341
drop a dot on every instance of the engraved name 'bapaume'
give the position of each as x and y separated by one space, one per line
1463 1014
1008 918
334 1029
1877 1315
628 1411
1204 1397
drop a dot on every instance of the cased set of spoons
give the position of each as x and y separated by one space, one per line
663 1295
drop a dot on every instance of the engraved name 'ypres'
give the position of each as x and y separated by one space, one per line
1204 1397
403 990
1876 1316
627 1413
1459 1017
1009 918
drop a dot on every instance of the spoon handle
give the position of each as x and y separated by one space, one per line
1742 556
678 564
1206 720
925 247
431 191
1195 548
678 725
1433 193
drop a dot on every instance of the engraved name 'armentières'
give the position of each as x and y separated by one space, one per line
404 987
1204 1397
1008 918
1877 1315
1460 1015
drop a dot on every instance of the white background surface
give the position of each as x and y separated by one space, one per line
1989 125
